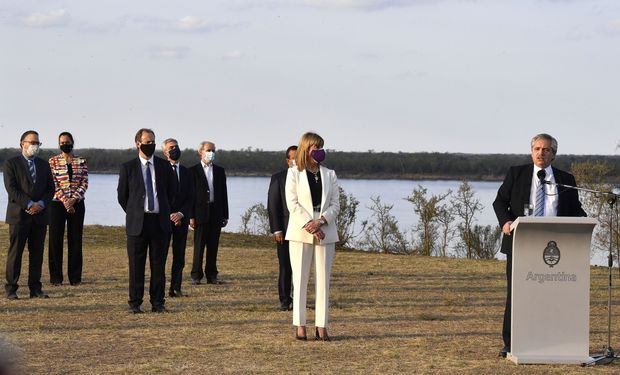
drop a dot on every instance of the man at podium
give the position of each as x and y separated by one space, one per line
531 189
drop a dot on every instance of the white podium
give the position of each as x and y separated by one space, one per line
551 289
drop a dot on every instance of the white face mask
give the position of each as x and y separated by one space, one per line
32 150
209 156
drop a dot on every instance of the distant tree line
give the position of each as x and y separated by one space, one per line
370 164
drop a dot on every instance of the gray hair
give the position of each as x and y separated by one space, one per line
205 143
169 140
547 137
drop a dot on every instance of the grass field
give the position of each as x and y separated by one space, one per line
388 314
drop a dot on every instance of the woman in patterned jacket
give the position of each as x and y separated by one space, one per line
70 175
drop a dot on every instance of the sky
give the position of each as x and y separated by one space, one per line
384 75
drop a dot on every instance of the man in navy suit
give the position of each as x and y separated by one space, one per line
146 188
519 190
210 213
278 221
180 213
30 188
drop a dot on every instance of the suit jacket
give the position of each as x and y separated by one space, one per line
514 193
132 192
299 202
201 210
76 188
276 203
184 198
20 190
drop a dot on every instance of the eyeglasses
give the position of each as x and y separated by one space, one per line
36 143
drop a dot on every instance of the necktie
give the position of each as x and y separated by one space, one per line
540 200
33 173
149 187
176 174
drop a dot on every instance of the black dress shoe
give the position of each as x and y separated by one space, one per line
504 352
302 338
214 281
318 337
135 310
12 295
176 293
195 282
38 294
56 283
159 309
76 283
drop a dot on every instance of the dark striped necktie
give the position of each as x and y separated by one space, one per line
33 173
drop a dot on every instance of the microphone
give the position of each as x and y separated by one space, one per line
541 176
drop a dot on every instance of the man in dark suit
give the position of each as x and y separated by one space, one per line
210 213
146 188
278 221
180 213
30 188
523 189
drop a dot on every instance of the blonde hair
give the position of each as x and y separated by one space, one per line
306 141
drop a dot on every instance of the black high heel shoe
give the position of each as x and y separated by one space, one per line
303 338
318 337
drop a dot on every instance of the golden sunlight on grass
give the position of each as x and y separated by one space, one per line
389 314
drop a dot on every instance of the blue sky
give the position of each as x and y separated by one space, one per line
387 75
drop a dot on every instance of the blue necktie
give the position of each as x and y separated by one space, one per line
540 201
33 173
149 187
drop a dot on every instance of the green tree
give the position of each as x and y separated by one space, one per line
466 206
255 220
346 217
428 210
382 233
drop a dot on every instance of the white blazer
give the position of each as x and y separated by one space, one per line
299 202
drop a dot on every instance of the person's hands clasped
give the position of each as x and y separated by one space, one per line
312 226
34 209
176 218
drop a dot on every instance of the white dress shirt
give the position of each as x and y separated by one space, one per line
146 198
208 169
551 191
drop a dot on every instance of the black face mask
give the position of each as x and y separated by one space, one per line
148 149
175 154
66 148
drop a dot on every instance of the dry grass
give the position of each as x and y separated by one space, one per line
389 314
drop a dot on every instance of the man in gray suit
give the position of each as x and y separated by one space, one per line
29 185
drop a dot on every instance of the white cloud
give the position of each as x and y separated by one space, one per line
169 53
58 17
331 4
190 23
613 27
233 55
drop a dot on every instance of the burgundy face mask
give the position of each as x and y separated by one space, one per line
318 155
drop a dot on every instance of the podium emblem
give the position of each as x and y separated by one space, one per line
551 254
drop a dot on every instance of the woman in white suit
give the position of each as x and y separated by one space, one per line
312 198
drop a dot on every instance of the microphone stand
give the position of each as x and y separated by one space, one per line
608 356
612 196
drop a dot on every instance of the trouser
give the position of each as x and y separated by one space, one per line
19 235
75 228
285 274
302 257
151 241
507 312
179 242
206 235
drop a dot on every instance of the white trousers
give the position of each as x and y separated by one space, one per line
302 256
